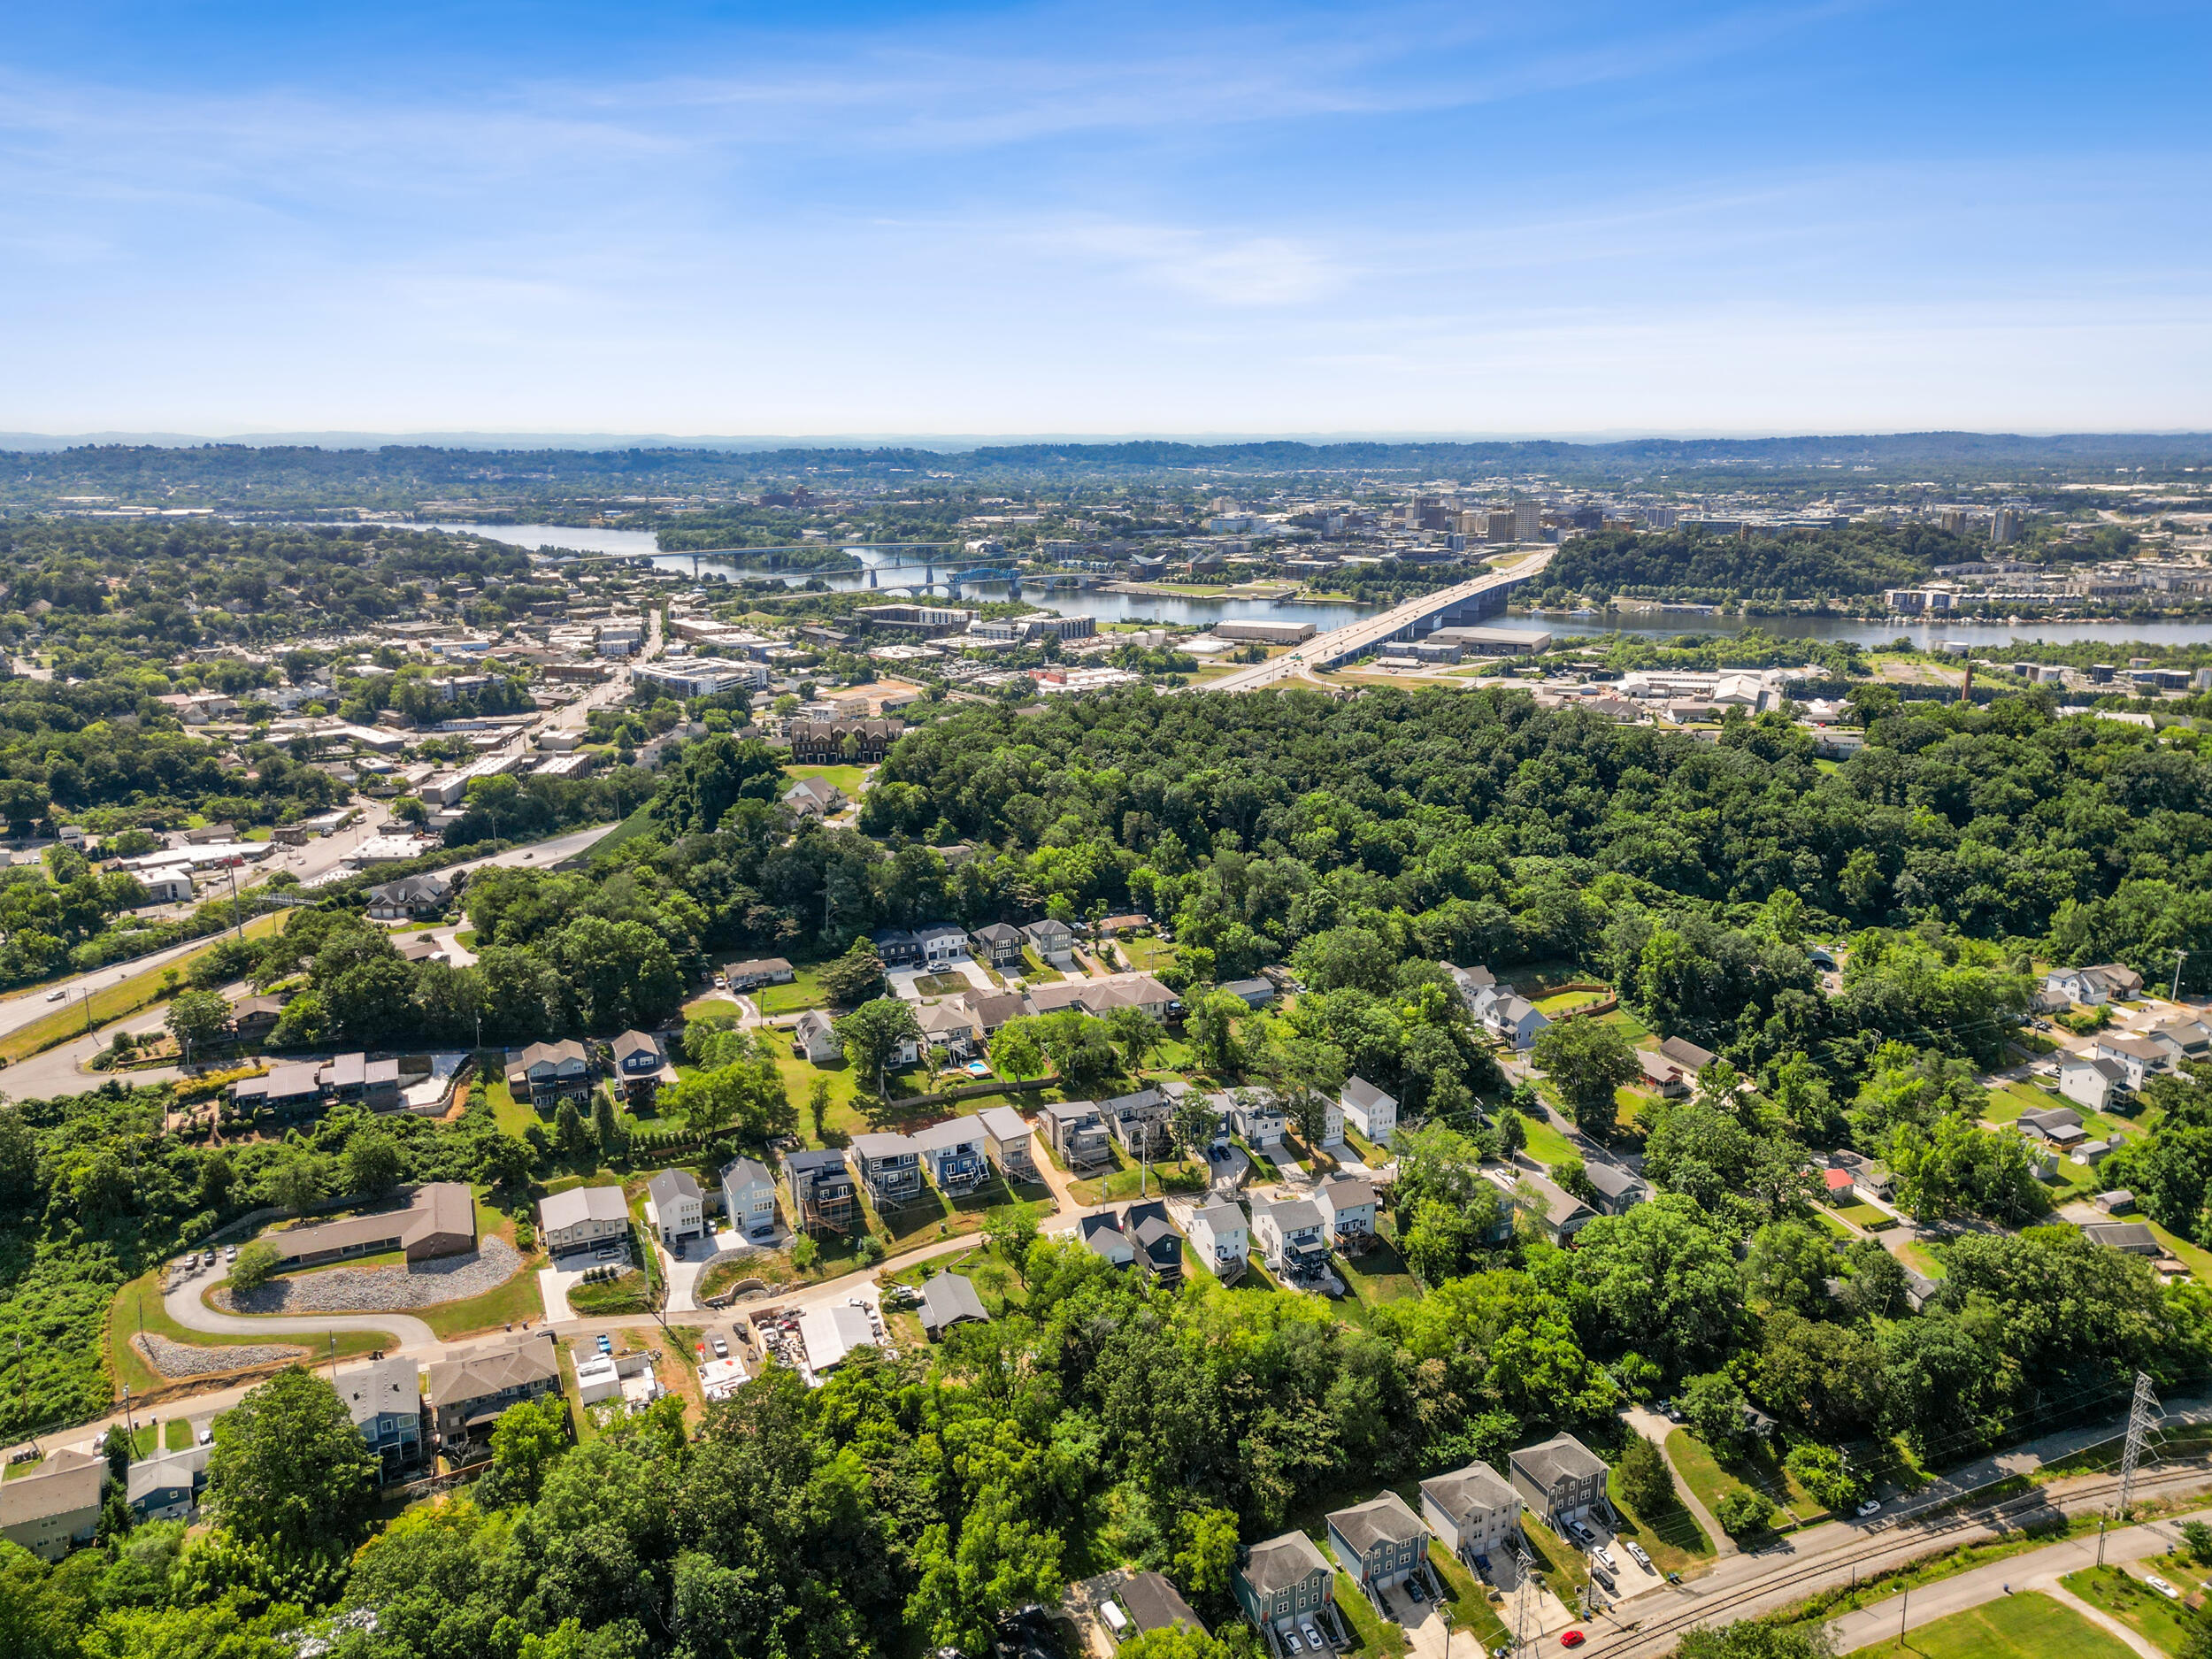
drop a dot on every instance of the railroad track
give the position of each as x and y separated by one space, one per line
1893 1545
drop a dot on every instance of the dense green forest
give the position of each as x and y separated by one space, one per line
1690 564
277 476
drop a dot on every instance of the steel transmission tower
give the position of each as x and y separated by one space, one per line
2143 1417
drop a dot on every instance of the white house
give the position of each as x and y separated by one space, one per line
582 1216
812 1039
1222 1238
1347 1202
749 1198
678 1207
1472 1510
1292 1235
2137 1057
1515 1019
2093 987
1368 1109
1256 1114
2092 1082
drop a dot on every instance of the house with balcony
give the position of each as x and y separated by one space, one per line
547 1073
167 1487
1006 1141
892 1167
1142 1123
1221 1238
1053 942
679 1206
999 944
749 1199
1346 1203
1256 1115
1285 1582
823 1196
1562 1479
955 1154
1157 1245
581 1217
1293 1236
1077 1134
468 1390
640 1069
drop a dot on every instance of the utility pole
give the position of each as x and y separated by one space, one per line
2179 954
2143 1415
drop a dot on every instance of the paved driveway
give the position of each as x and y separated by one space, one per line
185 1306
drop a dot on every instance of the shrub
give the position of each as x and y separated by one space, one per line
253 1266
1744 1511
805 1253
1822 1470
1646 1483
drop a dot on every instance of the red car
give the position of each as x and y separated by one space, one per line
1572 1639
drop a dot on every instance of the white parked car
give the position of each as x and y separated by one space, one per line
1871 1506
2162 1587
1636 1551
1603 1557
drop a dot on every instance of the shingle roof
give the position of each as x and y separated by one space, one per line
946 1299
1284 1562
390 1385
1383 1519
1155 1604
582 1203
479 1373
669 1185
1360 1093
67 1481
1470 1491
1563 1458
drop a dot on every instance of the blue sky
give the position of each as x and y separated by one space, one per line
1577 218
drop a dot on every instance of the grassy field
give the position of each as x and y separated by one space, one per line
1672 1538
1378 1277
804 991
114 1002
1172 1175
1545 1144
138 1307
2117 1591
1566 1001
2025 1626
2200 1261
846 780
1702 1473
1866 1216
511 1115
176 1435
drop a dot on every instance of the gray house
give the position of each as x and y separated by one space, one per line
1618 1189
386 1401
891 1165
1473 1510
1286 1580
1077 1134
1561 1479
1380 1543
167 1487
1006 1138
1053 942
998 944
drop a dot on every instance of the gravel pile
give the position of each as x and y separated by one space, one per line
178 1359
380 1289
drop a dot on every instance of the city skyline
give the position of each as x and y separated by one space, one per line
958 220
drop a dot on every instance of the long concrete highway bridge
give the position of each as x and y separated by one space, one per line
1453 607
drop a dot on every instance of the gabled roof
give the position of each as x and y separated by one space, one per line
1472 1491
669 1186
172 1472
390 1385
811 1163
1686 1054
1612 1180
1004 1123
1561 1458
551 1053
632 1042
741 1173
946 1299
1155 1604
998 933
1383 1519
479 1373
1360 1093
1283 1563
1223 1217
1292 1215
1071 1111
874 1149
953 1132
66 1482
1346 1191
582 1203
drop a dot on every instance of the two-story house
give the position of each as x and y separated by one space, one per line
997 943
1552 1211
1285 1581
410 897
1369 1110
1053 942
1562 1479
749 1199
547 1073
679 1207
55 1508
932 946
2093 987
1380 1543
1142 1123
2089 1082
1158 1246
813 1039
167 1487
955 1155
1472 1510
1077 1134
1102 1235
1347 1202
892 1167
385 1399
2138 1057
582 1217
1293 1236
640 1069
1516 1020
1006 1140
1618 1190
1222 1238
823 1196
1257 1115
467 1392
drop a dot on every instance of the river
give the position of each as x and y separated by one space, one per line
1203 612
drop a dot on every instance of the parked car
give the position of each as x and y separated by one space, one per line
208 1260
1312 1636
721 1349
1572 1639
230 1253
207 1434
1291 1644
1413 1589
1603 1557
1583 1535
1636 1550
2162 1587
605 1346
55 996
1869 1507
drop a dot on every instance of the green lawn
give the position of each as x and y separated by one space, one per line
2115 1590
1672 1537
176 1435
1545 1144
2200 1261
1170 1175
1864 1214
1471 1612
1702 1472
138 1307
2023 1626
1566 1001
1378 1277
804 991
1371 1636
512 1116
848 781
